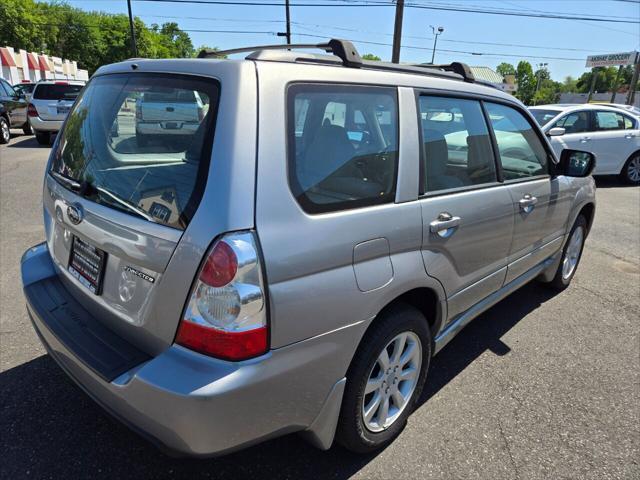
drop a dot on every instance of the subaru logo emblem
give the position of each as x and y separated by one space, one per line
75 214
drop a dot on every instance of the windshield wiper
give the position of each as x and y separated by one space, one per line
86 188
69 182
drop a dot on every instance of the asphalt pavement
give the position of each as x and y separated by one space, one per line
543 385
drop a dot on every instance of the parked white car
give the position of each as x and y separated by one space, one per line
611 133
50 103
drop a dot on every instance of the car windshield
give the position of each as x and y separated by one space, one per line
543 116
150 168
57 91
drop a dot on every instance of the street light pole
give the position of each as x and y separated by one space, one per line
134 47
436 32
540 67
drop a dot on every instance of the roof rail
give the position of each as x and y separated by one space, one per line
461 69
343 49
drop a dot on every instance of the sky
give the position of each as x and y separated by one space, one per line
476 39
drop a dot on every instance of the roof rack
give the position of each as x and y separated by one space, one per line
348 54
343 49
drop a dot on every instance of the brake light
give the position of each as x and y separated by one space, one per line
31 110
61 83
226 313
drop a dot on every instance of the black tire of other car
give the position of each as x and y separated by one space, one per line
572 253
5 133
631 171
352 433
26 129
43 138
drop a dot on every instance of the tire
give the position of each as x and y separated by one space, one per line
361 433
571 255
43 138
26 129
631 171
5 132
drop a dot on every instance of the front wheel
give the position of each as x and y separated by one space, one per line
631 170
385 380
571 255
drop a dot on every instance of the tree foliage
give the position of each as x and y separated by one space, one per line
526 81
371 56
89 37
506 69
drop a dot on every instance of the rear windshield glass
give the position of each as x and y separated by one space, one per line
57 92
543 116
148 160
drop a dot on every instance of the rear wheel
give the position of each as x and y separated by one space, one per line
631 171
384 380
571 255
5 133
26 128
43 138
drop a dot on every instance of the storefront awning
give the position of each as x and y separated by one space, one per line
6 58
32 61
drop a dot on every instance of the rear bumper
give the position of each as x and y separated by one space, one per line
195 405
41 125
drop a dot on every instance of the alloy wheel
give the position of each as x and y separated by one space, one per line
392 381
572 254
633 169
6 134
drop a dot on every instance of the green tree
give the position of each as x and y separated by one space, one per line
371 56
604 81
526 82
506 69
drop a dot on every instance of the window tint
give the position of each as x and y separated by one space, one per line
611 121
456 150
150 162
543 116
576 122
6 89
522 154
343 144
57 91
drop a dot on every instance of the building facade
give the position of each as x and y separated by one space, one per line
17 66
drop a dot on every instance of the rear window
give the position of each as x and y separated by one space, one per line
173 95
543 116
57 91
154 170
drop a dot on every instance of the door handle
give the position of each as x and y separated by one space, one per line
585 139
629 135
527 203
444 225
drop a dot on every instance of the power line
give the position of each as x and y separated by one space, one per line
383 3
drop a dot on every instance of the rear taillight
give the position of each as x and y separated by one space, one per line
31 110
226 314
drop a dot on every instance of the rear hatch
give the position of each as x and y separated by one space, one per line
115 209
54 100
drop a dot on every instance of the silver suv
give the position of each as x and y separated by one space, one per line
294 263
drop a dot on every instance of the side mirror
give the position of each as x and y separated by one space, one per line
556 132
575 163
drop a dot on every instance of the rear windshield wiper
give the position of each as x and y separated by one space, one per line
84 189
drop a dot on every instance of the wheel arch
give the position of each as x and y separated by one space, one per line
624 164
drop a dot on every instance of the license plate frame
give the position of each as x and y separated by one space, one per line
86 264
63 110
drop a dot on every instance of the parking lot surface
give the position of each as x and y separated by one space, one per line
543 385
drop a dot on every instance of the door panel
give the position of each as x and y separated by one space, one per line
469 261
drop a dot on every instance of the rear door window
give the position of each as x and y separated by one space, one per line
522 153
151 165
343 146
456 147
57 91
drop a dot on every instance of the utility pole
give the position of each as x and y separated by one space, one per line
594 77
436 32
397 32
134 48
615 84
286 33
634 80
